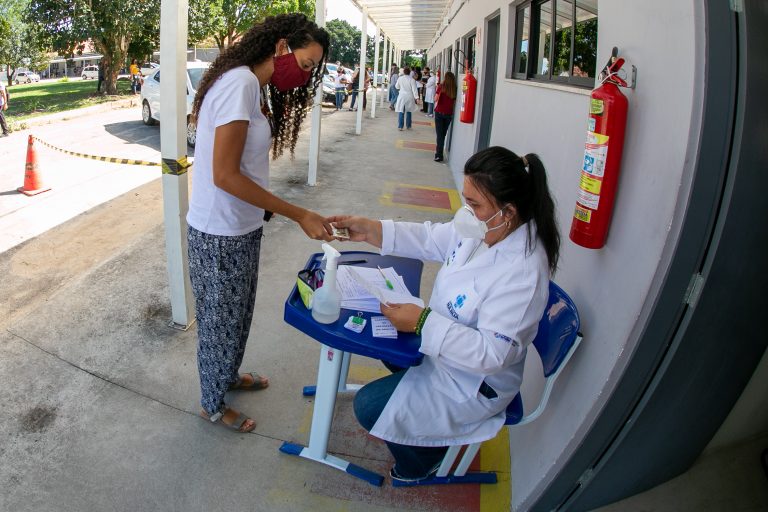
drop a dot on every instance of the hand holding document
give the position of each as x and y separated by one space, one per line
363 289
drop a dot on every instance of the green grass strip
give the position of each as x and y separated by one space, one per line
42 98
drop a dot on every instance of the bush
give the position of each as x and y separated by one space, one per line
64 79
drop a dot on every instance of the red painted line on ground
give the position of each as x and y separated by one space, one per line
421 197
428 146
423 123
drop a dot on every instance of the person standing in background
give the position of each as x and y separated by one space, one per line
3 108
407 98
394 74
135 72
446 99
429 94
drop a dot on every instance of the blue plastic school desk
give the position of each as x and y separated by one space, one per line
337 344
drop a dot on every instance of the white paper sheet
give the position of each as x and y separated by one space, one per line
382 327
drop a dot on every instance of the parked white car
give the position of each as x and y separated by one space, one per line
148 67
26 77
90 72
150 96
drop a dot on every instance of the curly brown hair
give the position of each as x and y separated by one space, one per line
287 109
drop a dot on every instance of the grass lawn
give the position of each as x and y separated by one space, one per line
31 100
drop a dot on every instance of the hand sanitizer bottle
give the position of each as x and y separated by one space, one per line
326 301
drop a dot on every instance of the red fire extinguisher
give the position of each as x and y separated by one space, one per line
602 159
469 88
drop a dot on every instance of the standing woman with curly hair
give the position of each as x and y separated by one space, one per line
252 100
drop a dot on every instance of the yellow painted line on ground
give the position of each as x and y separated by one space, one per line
494 456
389 190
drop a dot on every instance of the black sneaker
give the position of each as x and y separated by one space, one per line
396 477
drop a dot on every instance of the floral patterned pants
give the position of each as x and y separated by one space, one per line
224 271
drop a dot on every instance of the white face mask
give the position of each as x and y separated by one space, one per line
469 226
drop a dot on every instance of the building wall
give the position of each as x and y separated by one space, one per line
613 287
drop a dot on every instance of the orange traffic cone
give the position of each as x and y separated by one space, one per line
33 183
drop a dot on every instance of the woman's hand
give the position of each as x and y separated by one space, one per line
315 226
360 229
403 316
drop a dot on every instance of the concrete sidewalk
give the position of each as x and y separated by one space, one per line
100 397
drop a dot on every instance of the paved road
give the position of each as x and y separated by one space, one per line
77 184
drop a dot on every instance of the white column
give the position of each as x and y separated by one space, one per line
173 149
361 74
317 110
375 72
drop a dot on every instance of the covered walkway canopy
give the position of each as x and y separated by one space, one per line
409 24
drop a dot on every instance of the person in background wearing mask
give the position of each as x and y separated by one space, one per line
237 128
489 295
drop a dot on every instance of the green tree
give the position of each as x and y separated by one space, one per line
227 20
18 40
111 24
345 42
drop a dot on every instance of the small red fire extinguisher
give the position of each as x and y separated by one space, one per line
469 88
602 159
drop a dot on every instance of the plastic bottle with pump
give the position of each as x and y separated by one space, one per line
326 301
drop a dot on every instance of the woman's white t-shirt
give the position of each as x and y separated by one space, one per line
235 96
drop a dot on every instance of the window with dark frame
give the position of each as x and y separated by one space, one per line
556 40
469 51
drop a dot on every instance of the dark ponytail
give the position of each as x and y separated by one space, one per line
521 182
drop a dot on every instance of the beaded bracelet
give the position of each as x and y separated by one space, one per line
422 320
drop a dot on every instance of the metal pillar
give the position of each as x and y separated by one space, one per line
361 74
317 111
173 149
385 74
375 72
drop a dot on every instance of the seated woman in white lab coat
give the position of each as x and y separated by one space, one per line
486 303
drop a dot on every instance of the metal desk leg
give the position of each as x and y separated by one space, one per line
343 386
328 376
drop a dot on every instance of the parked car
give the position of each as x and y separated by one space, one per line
150 96
26 77
148 67
90 72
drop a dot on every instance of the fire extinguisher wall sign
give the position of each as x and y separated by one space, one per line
599 173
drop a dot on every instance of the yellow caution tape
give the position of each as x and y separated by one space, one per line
127 161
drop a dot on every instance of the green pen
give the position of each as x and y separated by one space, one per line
389 284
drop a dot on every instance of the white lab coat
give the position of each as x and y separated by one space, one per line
485 313
429 92
406 100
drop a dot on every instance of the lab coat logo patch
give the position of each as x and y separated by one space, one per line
500 336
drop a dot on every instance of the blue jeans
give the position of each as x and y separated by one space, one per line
410 461
430 108
400 119
339 98
393 94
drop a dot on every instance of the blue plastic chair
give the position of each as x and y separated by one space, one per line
557 339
